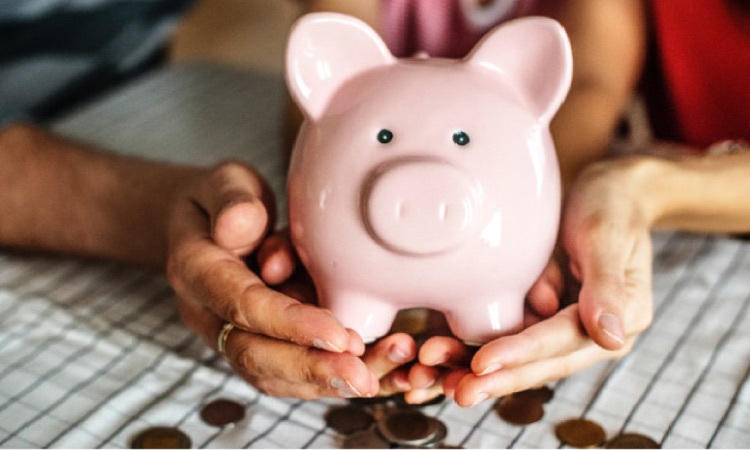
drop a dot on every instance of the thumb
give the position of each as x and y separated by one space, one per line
600 262
239 205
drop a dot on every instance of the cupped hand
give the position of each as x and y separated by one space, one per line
388 359
282 346
606 238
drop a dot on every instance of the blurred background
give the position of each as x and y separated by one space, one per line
245 33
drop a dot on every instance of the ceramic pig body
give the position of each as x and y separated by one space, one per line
425 182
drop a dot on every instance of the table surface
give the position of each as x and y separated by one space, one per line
92 353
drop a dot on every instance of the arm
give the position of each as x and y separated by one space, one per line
701 194
58 196
608 40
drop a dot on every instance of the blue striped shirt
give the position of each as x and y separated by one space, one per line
54 53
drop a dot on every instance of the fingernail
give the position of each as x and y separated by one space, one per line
482 396
397 355
439 360
494 367
344 388
418 396
401 382
326 345
610 324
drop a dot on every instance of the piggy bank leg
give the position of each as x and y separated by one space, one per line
370 317
485 321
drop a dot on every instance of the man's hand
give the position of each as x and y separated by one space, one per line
282 346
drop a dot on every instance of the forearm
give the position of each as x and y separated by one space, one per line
58 196
701 193
608 41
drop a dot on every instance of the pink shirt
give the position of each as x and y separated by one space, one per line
444 28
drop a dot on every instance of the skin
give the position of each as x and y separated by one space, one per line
198 225
604 258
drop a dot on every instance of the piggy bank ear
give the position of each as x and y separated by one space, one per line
534 55
324 51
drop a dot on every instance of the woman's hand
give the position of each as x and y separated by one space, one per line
606 238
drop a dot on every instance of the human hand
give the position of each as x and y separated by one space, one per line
387 359
280 345
606 237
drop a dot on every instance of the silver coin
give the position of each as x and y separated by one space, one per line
365 439
408 427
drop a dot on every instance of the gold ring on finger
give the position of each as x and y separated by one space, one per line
221 342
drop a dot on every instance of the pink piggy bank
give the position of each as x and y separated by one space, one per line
425 182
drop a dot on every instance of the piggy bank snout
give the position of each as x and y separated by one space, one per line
420 206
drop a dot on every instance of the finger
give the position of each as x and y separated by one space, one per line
239 205
419 396
473 389
395 382
276 258
555 336
452 379
240 297
423 377
390 353
602 258
444 351
261 356
544 295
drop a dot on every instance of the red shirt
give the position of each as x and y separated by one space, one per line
703 81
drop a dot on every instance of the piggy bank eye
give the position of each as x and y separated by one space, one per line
385 136
461 138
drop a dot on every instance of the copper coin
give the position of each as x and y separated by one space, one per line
222 412
408 427
161 437
365 439
543 394
520 410
348 419
580 433
632 440
441 431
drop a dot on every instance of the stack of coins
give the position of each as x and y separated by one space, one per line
386 423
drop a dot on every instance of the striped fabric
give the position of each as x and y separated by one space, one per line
54 53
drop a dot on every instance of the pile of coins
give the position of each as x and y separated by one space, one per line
527 407
392 423
386 423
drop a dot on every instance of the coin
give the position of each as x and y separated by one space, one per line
632 440
520 410
441 431
365 439
221 412
543 394
348 419
161 437
580 433
407 427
